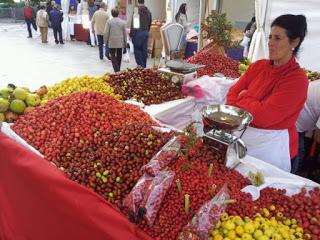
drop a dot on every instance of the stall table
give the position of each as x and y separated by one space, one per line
38 202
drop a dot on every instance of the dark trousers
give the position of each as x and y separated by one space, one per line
296 161
29 23
100 45
116 57
140 46
56 31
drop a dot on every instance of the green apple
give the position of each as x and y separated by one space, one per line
20 93
33 99
4 105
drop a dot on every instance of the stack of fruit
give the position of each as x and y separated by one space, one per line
312 75
261 227
215 63
244 65
15 101
144 85
76 120
112 165
79 84
200 174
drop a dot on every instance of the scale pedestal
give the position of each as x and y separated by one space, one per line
178 77
220 121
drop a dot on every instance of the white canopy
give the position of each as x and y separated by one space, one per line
258 47
268 10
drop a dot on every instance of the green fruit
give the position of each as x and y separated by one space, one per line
4 105
27 89
17 106
2 117
33 99
5 93
242 67
20 93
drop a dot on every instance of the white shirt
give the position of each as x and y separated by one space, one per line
309 118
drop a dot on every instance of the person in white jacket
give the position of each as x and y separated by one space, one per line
43 23
309 118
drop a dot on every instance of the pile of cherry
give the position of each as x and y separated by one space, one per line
112 165
215 63
103 144
75 121
192 171
144 85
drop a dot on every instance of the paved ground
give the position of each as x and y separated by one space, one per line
28 62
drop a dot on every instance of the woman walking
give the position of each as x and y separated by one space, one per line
115 37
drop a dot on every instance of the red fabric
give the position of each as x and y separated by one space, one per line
38 202
27 12
80 34
274 96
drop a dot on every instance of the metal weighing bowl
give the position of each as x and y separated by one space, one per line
225 117
180 66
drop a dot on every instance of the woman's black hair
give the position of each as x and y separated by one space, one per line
253 19
295 26
114 12
182 10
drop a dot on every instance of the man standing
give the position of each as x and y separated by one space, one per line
98 23
139 33
56 18
42 23
29 18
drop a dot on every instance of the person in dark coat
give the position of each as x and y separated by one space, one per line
139 33
56 17
29 16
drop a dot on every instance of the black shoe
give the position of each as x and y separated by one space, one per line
61 42
56 42
29 37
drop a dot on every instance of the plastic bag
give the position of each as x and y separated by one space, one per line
144 201
206 217
167 153
155 194
126 58
133 200
215 89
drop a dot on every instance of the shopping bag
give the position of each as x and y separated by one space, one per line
126 57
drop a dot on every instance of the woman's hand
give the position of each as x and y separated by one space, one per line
242 93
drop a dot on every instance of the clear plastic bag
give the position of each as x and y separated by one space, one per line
155 195
144 201
206 217
163 157
133 200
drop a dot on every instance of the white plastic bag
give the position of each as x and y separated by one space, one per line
216 89
126 58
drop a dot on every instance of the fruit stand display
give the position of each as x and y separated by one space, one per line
170 184
16 101
312 75
144 85
215 63
78 84
108 159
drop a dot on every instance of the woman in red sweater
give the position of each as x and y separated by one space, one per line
274 92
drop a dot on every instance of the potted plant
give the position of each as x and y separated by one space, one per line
217 29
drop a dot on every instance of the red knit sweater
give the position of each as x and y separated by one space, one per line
273 95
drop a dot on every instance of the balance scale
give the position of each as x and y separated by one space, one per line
222 125
175 69
180 72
